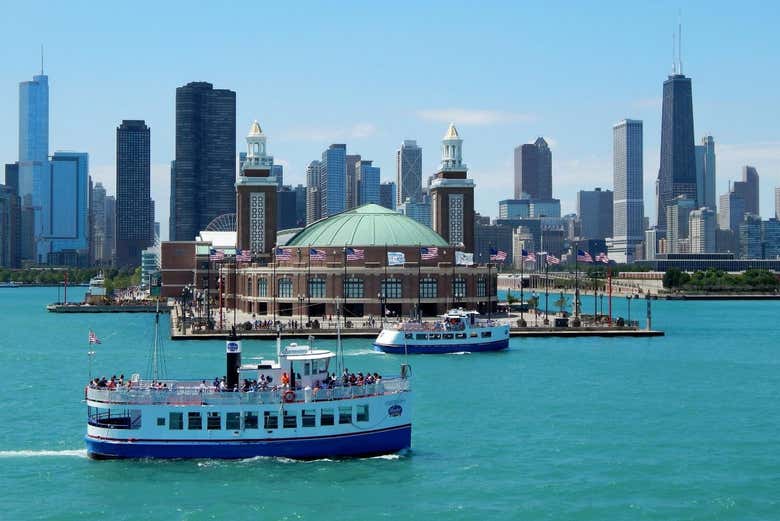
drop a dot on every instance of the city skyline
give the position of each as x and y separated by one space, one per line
495 119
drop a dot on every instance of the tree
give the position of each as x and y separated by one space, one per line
561 303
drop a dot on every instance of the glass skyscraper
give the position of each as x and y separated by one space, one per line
533 170
677 173
628 198
204 175
313 199
408 165
387 195
705 174
333 180
33 161
368 181
65 205
134 207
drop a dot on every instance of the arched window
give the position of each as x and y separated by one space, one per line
459 287
262 287
353 287
317 287
429 288
285 288
392 288
249 287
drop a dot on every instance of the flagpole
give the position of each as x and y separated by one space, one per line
522 294
235 287
208 292
308 289
273 303
609 277
419 266
546 290
577 281
382 292
344 289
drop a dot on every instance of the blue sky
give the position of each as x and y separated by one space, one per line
372 74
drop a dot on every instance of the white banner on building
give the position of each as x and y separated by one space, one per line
396 258
464 259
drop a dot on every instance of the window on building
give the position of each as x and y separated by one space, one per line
270 420
326 417
317 287
175 421
194 421
249 287
262 287
459 287
285 288
345 415
308 418
250 420
233 421
353 287
481 287
213 422
391 288
362 413
429 288
487 334
290 420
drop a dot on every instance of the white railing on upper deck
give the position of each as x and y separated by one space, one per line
190 393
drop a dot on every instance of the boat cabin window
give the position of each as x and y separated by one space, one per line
214 422
290 420
362 413
270 420
194 421
176 421
436 336
307 368
250 420
114 418
460 335
408 336
487 334
326 417
308 418
447 336
233 421
345 415
161 422
421 336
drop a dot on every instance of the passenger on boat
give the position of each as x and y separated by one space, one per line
285 380
202 386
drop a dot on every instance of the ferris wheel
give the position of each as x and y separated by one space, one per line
222 223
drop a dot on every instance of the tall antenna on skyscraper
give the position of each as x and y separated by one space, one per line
674 53
679 40
41 59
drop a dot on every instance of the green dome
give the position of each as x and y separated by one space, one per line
367 225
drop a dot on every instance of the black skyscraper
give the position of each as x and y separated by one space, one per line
204 175
677 174
134 206
533 170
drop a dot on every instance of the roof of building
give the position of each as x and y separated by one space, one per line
367 225
255 129
452 132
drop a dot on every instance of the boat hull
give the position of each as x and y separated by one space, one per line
442 348
371 443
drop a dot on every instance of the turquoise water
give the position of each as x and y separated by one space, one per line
680 427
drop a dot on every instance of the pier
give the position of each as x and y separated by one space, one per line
190 329
106 308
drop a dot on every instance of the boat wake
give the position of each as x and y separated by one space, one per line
361 352
458 353
78 453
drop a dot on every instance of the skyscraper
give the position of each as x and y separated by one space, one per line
333 176
352 181
368 182
10 227
278 172
677 219
109 245
629 207
65 209
594 208
205 170
408 166
33 162
313 199
701 230
97 210
533 170
677 173
750 237
748 189
777 202
387 196
705 173
134 207
731 211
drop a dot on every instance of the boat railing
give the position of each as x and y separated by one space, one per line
190 393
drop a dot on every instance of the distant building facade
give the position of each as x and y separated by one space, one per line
333 176
701 230
368 182
705 174
313 199
408 165
628 199
387 195
65 210
594 208
533 170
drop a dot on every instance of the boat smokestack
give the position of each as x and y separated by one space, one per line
233 360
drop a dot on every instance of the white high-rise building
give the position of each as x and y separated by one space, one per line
705 174
701 230
628 198
777 202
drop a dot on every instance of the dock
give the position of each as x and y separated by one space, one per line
106 308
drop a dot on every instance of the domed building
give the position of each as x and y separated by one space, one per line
364 261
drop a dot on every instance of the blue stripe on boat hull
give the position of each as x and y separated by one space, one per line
442 348
386 441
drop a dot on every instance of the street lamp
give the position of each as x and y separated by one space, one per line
536 309
628 298
300 306
382 299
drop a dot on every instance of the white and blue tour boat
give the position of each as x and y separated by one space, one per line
291 407
456 331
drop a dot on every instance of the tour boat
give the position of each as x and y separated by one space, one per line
296 411
456 331
97 286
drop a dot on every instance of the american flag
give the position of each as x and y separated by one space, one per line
354 254
93 339
283 254
315 254
602 257
531 257
497 255
584 256
215 255
552 259
244 256
429 253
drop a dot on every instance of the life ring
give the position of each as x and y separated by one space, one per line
288 396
